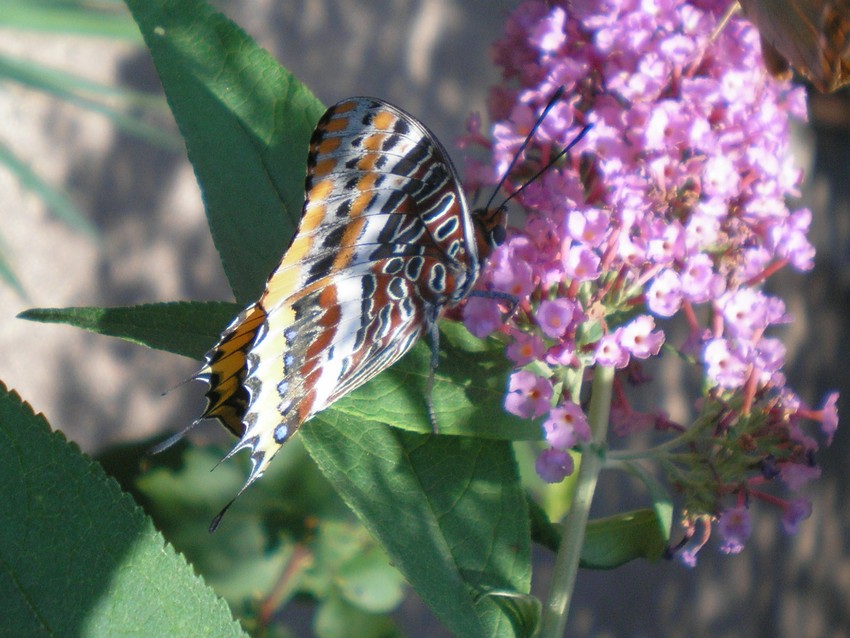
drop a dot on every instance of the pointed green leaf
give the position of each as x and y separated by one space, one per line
449 511
187 328
246 123
77 556
615 540
524 609
468 392
608 542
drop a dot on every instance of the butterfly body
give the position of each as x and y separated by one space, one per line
386 243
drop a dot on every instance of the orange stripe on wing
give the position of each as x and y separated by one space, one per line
365 186
323 168
368 161
337 124
327 145
374 142
314 211
346 107
384 120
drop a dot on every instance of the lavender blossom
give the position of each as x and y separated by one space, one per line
672 206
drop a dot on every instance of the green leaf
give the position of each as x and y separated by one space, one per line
661 501
246 123
468 391
58 202
289 535
524 609
449 511
246 556
369 582
8 275
338 617
108 19
187 328
94 96
543 532
468 394
77 556
615 540
608 542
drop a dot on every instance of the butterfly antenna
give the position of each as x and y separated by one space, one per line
552 100
563 152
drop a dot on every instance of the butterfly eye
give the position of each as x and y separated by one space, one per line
497 235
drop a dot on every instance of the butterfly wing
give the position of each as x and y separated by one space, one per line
385 243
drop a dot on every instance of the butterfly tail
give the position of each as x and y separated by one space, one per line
226 369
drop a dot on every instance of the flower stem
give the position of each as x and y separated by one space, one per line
566 564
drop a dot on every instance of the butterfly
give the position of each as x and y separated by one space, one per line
385 245
813 36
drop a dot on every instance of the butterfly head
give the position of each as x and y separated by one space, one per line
490 228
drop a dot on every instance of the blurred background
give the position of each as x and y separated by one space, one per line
142 237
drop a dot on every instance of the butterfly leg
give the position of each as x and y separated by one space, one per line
434 341
513 302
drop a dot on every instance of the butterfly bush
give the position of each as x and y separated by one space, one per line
673 206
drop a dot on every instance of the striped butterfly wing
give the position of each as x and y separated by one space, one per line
385 243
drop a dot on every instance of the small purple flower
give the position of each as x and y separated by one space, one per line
796 475
482 316
562 354
697 533
553 465
588 226
699 281
769 357
566 426
525 348
664 296
610 353
829 416
720 177
528 395
581 263
638 337
554 317
794 513
789 240
703 228
549 33
688 556
735 527
668 246
510 274
725 366
746 311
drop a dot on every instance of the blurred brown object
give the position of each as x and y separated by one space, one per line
813 36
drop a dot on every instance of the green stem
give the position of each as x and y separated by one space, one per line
566 564
649 453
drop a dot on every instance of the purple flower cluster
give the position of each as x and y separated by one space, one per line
673 204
